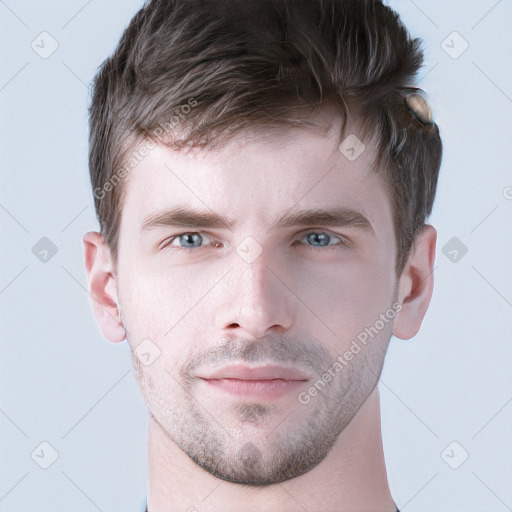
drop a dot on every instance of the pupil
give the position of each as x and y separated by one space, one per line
190 239
321 238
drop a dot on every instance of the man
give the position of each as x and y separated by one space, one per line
262 173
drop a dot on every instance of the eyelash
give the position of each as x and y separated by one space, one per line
167 243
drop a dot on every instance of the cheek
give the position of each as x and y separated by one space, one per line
346 298
158 303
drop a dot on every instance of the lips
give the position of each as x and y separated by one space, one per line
263 383
261 373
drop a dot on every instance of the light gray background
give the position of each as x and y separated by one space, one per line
63 384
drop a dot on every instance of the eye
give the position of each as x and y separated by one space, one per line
321 239
194 240
188 241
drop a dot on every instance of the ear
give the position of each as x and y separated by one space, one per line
102 284
416 284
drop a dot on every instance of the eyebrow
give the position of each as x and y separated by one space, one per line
181 216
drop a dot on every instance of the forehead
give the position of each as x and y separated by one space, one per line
257 176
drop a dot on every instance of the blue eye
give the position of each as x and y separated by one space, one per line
188 240
322 239
193 240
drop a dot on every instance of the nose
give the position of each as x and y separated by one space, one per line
255 299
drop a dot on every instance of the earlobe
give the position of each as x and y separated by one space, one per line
416 285
102 286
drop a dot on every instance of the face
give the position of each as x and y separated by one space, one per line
258 279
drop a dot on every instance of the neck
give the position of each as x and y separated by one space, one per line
351 478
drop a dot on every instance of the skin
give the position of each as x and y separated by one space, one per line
299 301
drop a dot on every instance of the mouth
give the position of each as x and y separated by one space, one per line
265 382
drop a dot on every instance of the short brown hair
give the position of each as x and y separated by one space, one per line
193 73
